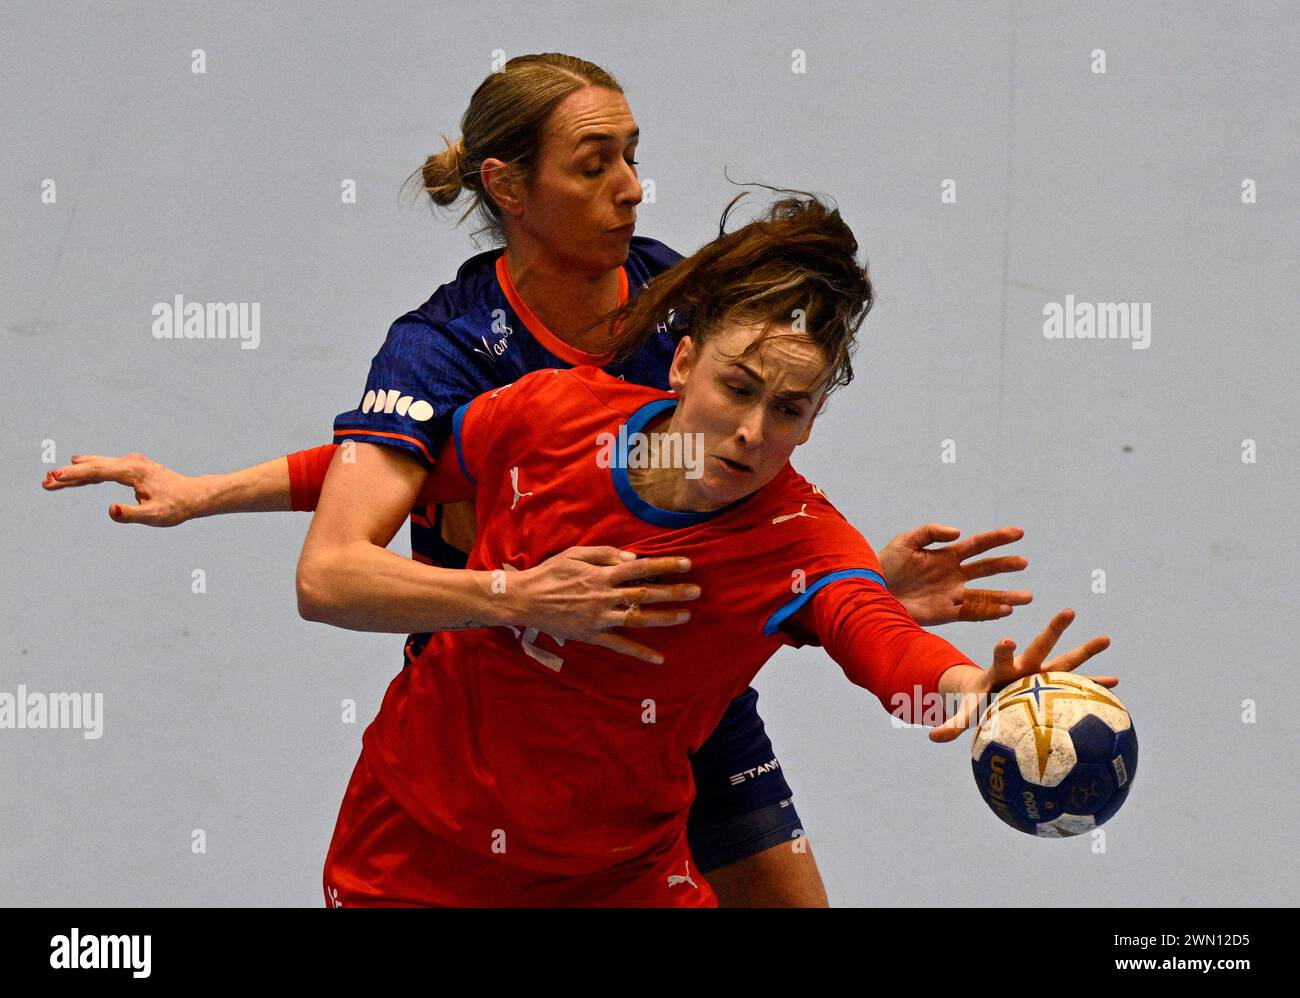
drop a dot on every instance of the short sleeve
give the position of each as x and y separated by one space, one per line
416 381
829 549
486 430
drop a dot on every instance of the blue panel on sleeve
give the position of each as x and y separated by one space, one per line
791 608
457 420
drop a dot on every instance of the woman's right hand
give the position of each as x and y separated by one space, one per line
583 593
165 497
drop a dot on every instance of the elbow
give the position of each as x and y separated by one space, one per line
310 584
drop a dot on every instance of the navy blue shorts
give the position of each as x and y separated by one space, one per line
742 801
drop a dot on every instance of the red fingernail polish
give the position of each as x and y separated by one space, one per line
56 474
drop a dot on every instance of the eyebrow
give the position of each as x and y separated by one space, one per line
607 137
790 396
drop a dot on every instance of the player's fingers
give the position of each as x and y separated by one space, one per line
946 732
979 543
638 616
599 555
658 593
929 533
1004 662
994 566
1110 682
626 646
644 568
122 513
959 722
980 604
989 604
1046 640
93 472
1075 657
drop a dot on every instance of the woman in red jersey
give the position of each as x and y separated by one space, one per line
547 155
516 766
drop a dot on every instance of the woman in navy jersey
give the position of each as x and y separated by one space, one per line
548 157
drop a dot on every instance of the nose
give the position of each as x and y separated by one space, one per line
750 430
631 193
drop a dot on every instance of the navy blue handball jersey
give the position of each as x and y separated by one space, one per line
471 336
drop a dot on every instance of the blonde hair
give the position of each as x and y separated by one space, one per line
505 120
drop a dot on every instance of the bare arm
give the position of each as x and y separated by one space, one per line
346 575
348 578
166 498
260 488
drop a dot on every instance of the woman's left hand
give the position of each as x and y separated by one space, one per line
1007 667
931 582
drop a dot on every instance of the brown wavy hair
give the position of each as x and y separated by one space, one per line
796 266
505 120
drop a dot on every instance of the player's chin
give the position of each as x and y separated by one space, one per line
613 248
723 491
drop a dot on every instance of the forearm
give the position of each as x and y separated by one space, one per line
881 648
261 488
923 688
364 587
923 675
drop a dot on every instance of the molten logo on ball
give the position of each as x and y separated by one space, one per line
1055 754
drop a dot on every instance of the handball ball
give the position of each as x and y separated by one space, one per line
1055 754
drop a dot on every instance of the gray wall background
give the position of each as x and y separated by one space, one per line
222 710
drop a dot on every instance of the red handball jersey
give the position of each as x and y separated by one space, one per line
568 758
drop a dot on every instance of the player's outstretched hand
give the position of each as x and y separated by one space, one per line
582 593
164 497
931 582
1008 667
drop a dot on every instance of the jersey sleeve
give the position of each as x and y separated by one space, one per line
307 470
877 644
821 548
447 482
486 430
416 380
845 606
